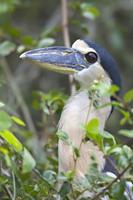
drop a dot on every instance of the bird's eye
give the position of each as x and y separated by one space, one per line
91 57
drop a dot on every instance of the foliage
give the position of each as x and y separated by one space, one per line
28 159
32 178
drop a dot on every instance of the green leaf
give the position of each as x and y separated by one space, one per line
5 120
12 140
89 11
93 126
7 6
109 138
128 97
103 88
93 133
126 118
113 89
6 48
126 133
65 189
50 176
45 42
28 162
76 152
8 160
51 102
115 150
127 151
1 104
28 40
62 135
118 190
21 48
4 150
18 121
69 174
7 157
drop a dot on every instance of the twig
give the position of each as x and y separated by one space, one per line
17 93
66 36
14 186
111 183
8 192
65 29
41 177
121 178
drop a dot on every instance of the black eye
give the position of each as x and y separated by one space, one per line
91 57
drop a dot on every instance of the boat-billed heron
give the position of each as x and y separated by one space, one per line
88 63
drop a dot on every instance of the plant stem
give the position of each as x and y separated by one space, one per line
111 183
14 186
117 171
8 192
66 37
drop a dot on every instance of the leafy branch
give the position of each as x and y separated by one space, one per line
95 197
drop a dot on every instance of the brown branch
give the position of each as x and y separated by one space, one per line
66 36
8 192
17 93
111 183
121 178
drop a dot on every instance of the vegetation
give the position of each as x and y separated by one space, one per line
29 116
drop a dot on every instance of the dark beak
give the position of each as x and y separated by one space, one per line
59 59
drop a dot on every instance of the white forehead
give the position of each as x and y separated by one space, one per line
82 46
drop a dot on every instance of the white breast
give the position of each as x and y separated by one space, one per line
75 114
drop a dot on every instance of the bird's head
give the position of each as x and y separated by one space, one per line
86 60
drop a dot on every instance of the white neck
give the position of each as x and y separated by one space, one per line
95 72
77 112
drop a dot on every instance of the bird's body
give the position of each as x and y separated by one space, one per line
74 116
89 63
77 112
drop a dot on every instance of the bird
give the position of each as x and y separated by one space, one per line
89 64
